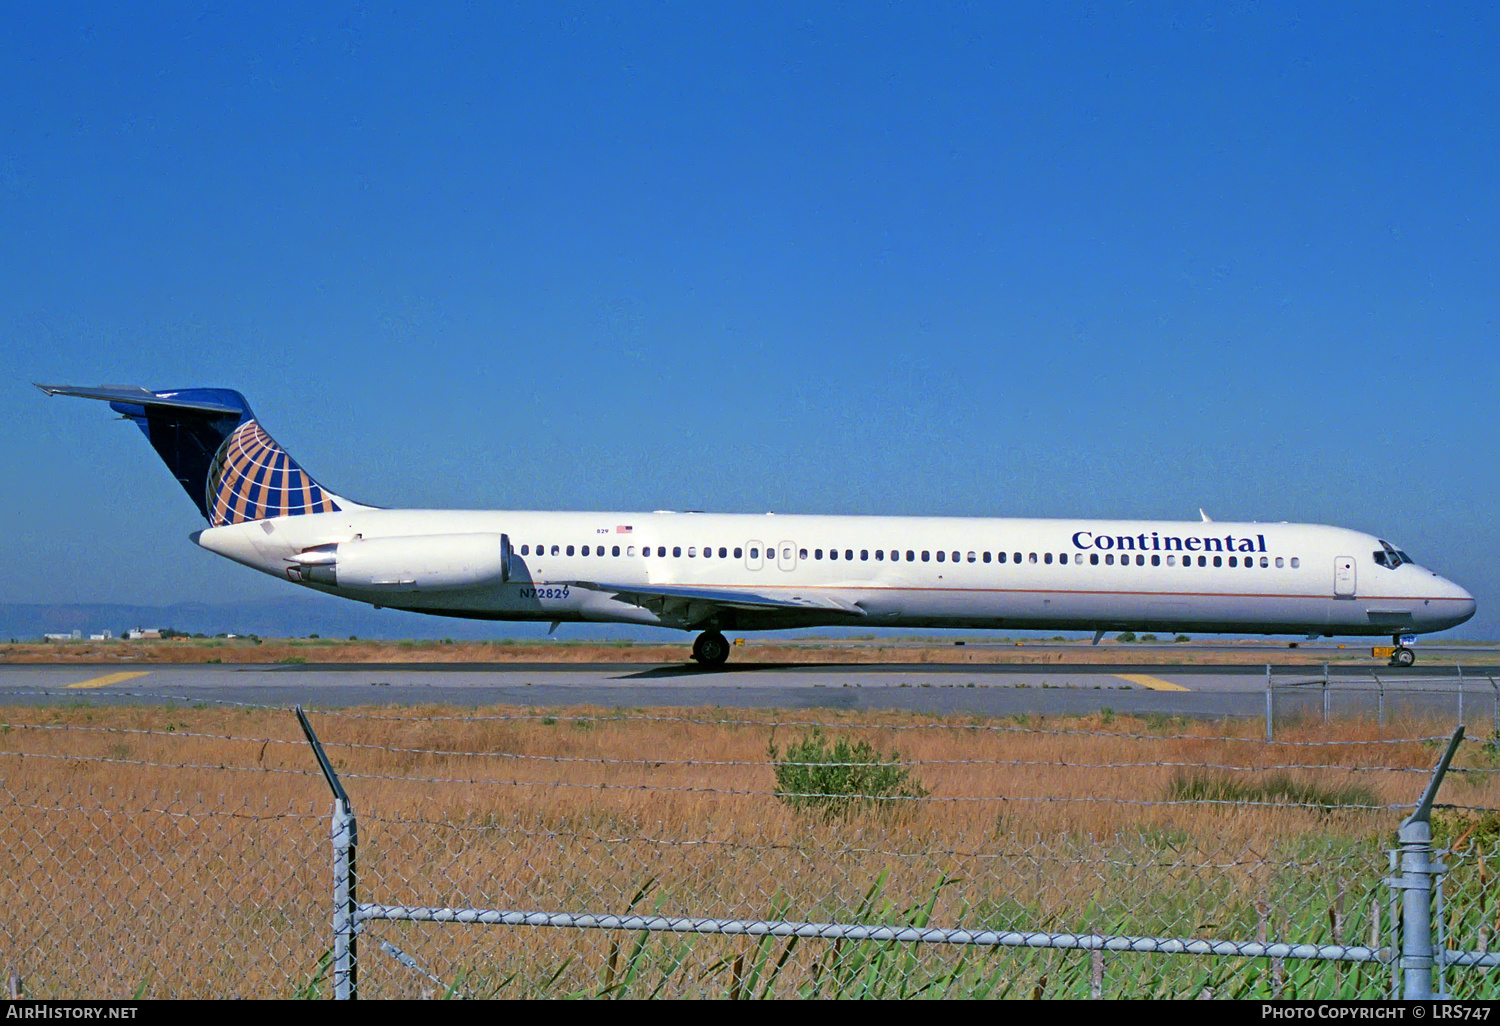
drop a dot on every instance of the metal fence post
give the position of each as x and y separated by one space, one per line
345 834
1460 670
1325 693
1270 710
1418 950
345 902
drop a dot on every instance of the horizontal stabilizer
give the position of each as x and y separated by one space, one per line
137 396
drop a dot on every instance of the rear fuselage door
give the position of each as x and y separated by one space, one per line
786 555
1343 577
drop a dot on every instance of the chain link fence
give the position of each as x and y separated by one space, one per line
1321 698
161 851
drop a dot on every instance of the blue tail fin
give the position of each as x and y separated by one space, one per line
210 441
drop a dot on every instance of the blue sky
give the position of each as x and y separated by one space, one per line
1057 260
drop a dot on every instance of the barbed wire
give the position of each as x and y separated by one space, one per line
654 763
194 805
685 789
111 760
773 724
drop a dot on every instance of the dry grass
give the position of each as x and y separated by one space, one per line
185 850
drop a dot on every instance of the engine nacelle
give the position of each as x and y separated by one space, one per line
433 562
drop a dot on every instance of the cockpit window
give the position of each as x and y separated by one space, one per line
1390 557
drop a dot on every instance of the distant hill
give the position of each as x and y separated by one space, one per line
293 616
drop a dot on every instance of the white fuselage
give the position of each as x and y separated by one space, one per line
947 571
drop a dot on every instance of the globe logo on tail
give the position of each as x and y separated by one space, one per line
253 478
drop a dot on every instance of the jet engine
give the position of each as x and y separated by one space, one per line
434 562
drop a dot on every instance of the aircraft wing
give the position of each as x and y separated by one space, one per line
652 595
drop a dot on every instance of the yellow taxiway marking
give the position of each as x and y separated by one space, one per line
1147 681
110 678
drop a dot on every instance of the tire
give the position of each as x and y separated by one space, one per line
711 648
1403 657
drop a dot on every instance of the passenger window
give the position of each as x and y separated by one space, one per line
554 550
570 550
1109 559
1296 562
1000 557
911 556
1218 561
661 550
1171 561
864 554
754 553
1047 558
849 554
692 551
986 557
630 550
739 553
1279 563
1263 562
1093 559
801 553
880 555
1233 561
833 553
1018 557
677 551
817 553
724 552
1031 558
940 555
1156 561
524 550
615 551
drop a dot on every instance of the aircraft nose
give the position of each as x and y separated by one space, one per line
1457 604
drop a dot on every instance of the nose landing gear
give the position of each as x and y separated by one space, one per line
1402 654
711 648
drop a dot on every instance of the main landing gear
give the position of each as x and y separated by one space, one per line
1401 655
711 648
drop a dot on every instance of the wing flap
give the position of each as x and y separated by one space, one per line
726 598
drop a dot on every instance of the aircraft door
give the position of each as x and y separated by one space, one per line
786 555
1343 577
752 555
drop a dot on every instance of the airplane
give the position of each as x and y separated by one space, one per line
715 572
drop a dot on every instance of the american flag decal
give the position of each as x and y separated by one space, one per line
623 529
